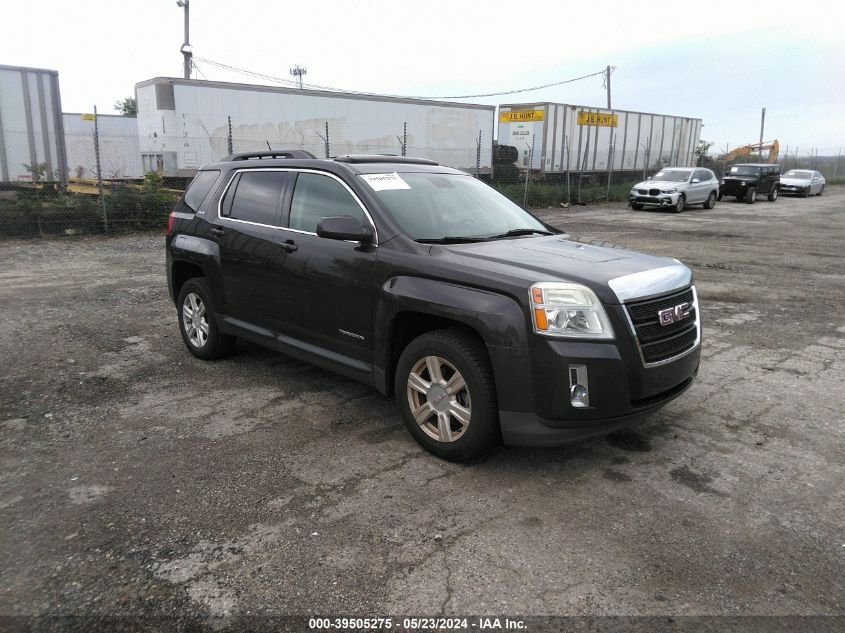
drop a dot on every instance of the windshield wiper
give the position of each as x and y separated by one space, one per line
518 232
451 239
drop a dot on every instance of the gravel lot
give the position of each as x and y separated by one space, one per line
135 479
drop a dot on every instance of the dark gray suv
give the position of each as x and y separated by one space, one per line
424 282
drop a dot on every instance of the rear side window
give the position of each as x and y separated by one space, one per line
198 190
255 196
316 197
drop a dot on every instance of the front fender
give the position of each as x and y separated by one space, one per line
499 320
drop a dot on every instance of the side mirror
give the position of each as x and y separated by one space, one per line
345 227
695 180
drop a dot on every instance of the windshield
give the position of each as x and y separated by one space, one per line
797 173
745 170
437 206
673 175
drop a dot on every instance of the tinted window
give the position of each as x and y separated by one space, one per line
702 175
255 196
198 190
316 197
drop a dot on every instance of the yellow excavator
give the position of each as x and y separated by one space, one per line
745 150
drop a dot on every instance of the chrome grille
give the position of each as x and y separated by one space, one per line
662 342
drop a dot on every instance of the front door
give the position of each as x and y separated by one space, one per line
328 287
245 226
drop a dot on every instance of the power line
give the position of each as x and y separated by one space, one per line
288 82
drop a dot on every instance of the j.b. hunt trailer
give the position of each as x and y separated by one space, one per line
556 138
184 124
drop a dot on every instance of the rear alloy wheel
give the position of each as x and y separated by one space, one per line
445 391
680 204
196 322
773 195
711 200
751 195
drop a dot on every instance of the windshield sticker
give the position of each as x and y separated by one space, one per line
385 182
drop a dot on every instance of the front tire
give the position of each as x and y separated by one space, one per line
751 195
446 394
821 191
773 195
711 201
680 204
806 193
638 207
197 322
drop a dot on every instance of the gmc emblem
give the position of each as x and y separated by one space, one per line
675 314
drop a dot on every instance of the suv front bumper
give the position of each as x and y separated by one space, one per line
659 200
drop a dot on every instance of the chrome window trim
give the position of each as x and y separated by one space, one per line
676 356
297 170
651 283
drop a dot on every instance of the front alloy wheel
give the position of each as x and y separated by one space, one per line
445 391
439 399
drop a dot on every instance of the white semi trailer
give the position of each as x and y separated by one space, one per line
184 124
31 135
557 137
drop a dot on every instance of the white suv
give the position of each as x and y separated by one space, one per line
675 188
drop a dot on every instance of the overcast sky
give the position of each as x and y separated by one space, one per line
719 61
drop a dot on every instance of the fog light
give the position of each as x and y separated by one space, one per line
579 386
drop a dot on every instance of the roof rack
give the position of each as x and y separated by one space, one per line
383 158
282 153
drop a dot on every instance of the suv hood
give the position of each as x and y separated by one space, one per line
553 258
659 184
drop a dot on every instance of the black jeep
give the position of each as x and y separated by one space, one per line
750 180
422 281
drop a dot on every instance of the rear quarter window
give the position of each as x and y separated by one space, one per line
197 191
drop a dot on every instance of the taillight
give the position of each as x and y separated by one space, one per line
170 221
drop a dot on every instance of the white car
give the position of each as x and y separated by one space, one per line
675 188
803 182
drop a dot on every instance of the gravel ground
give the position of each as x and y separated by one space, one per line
137 480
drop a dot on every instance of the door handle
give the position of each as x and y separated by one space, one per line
289 246
217 232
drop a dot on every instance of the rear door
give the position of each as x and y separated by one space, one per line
698 190
328 286
245 225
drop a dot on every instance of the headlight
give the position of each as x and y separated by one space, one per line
672 190
568 310
742 183
723 181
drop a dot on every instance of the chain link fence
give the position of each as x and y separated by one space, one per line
117 181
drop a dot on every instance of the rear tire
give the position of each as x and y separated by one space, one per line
197 322
751 195
711 201
773 195
446 377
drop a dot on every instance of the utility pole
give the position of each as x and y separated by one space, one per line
297 71
762 125
607 82
186 46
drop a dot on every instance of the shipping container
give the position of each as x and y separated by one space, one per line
31 133
120 149
569 138
184 124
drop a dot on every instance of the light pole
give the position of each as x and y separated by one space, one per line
297 71
186 46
